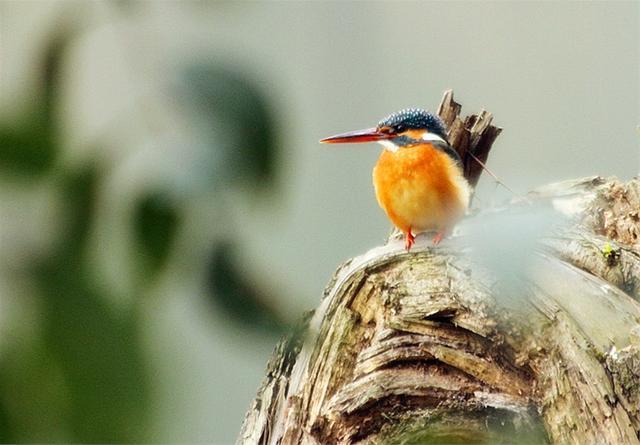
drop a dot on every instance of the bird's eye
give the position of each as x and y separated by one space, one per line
399 128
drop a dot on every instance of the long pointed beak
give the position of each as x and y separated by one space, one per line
367 135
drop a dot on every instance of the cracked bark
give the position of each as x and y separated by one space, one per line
428 347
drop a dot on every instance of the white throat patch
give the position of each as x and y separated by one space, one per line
388 145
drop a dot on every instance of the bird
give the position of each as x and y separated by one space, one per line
419 178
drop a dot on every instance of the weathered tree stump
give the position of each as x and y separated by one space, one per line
432 346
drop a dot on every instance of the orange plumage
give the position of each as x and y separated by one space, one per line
418 179
420 188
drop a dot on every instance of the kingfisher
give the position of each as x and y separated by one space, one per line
419 179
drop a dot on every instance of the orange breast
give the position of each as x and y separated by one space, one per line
420 188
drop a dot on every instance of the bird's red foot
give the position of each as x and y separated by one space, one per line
409 240
438 238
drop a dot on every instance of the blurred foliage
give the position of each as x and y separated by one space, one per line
102 383
232 293
85 375
156 221
29 147
98 351
243 149
96 347
243 142
82 376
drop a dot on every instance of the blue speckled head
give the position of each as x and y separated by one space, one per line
414 119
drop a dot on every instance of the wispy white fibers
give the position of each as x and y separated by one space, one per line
504 241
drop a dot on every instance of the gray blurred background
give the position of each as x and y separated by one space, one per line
166 212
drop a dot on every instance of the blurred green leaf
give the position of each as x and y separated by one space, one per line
28 146
79 189
99 353
52 60
7 433
33 394
243 139
28 149
96 347
241 299
156 223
